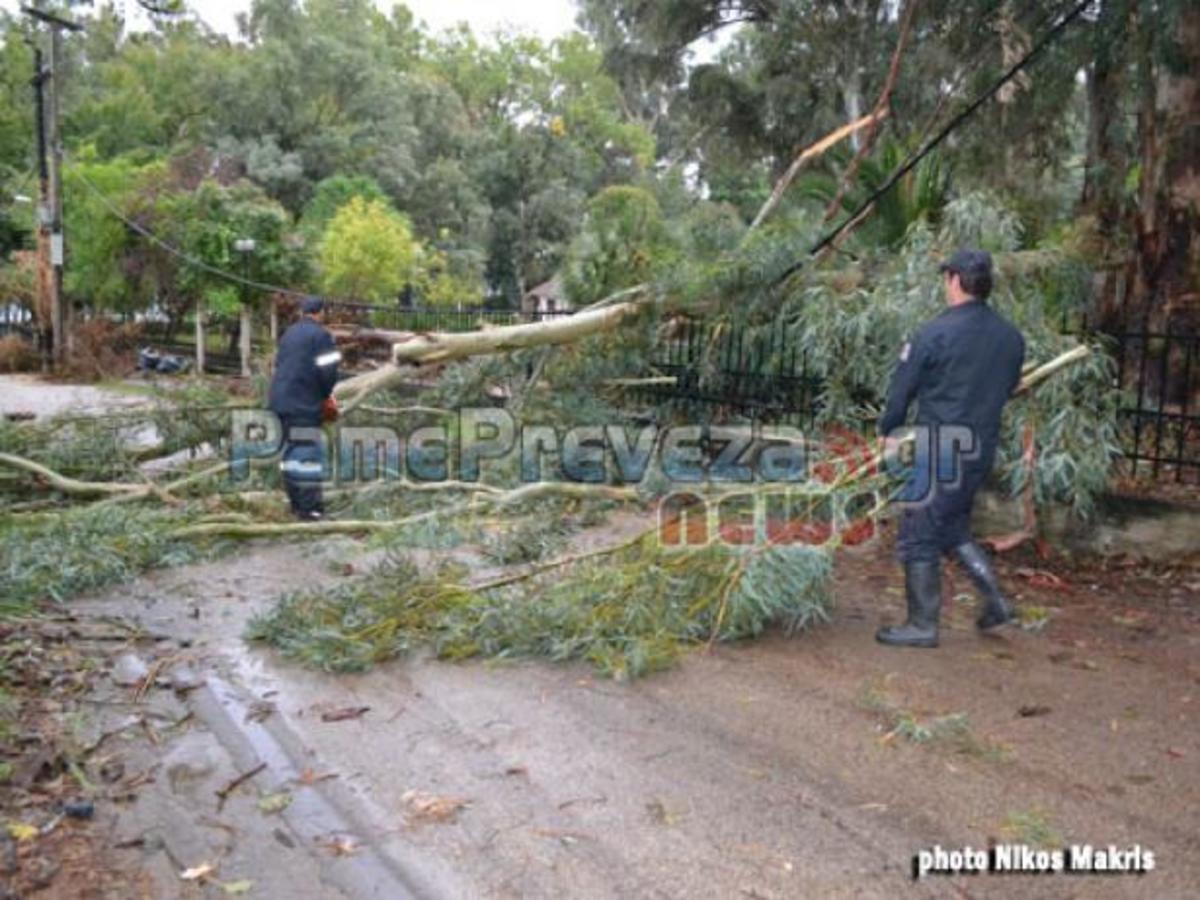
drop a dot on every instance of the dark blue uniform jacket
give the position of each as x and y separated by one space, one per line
961 368
306 369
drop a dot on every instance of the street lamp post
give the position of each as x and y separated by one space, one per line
245 246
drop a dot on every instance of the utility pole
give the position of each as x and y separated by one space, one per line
45 289
246 247
57 248
50 212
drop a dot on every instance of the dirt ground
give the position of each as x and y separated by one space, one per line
810 767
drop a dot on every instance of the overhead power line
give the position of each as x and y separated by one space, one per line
183 255
930 145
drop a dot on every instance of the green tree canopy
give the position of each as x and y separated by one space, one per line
368 252
623 242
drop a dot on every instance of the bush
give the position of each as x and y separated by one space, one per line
17 354
103 349
58 557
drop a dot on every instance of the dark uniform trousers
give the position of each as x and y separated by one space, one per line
302 465
936 525
306 369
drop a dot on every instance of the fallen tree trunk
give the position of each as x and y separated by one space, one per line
436 348
500 499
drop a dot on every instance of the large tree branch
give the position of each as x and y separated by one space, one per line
437 348
538 491
808 154
113 491
881 105
67 485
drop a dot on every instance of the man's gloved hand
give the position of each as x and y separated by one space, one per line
329 410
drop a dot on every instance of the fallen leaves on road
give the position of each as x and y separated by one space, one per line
309 777
236 888
198 873
660 814
566 838
19 831
345 713
1030 711
432 808
275 803
1043 579
259 711
223 793
340 846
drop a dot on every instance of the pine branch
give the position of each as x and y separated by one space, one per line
522 494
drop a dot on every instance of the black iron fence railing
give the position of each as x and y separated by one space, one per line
1159 374
15 319
719 371
714 371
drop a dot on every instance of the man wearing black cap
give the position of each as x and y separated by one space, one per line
961 368
306 369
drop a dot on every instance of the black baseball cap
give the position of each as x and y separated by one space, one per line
312 305
968 262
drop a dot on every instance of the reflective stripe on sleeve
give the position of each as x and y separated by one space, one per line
328 359
300 467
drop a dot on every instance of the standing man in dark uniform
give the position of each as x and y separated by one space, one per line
961 368
306 369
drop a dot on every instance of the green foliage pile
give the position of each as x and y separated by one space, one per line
55 557
52 555
86 448
852 337
627 614
109 447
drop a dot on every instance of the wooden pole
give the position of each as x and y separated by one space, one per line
201 337
244 337
45 316
57 251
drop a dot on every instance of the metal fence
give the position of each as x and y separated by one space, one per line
221 355
720 371
1159 374
16 319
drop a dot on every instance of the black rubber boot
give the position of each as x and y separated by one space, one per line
996 610
923 589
